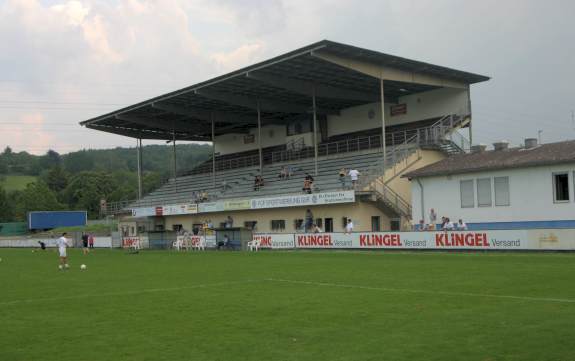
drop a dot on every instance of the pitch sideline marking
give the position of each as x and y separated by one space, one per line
405 290
127 293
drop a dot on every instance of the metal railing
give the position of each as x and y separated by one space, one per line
401 145
391 198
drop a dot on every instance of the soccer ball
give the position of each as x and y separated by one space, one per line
83 267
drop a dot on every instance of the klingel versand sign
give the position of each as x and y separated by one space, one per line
534 239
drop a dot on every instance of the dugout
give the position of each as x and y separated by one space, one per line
239 236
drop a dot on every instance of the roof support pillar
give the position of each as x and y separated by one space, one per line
213 150
175 160
470 115
383 150
139 150
260 138
314 131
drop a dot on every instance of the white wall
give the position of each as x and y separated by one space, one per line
531 197
431 104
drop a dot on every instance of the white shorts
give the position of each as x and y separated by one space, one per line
62 251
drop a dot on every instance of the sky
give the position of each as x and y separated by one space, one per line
62 62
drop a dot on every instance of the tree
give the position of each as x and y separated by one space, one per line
5 207
7 151
86 189
50 159
36 197
56 178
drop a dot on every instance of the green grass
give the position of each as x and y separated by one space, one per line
15 182
287 306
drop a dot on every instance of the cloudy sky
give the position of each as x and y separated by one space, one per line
66 61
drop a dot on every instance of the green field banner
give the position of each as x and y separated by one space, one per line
13 228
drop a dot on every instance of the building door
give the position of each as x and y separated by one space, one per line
395 224
328 224
375 223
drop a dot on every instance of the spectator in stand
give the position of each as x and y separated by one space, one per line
354 175
258 182
461 226
349 226
422 226
283 173
447 225
225 186
316 229
433 217
308 221
229 222
306 186
290 171
342 174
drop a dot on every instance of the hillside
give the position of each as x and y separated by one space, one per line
79 180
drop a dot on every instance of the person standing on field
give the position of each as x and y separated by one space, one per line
63 244
85 238
91 241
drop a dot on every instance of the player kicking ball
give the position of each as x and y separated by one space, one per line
62 243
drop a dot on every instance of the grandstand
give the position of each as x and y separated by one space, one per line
316 110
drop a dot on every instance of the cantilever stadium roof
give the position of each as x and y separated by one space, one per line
281 87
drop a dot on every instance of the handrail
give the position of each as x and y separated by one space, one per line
402 144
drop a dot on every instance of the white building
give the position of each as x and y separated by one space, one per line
526 187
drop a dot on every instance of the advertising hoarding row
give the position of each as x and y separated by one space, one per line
295 200
532 239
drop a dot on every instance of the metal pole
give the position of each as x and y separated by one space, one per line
175 166
260 139
314 132
470 115
382 124
213 150
139 149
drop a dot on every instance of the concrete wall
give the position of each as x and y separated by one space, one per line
360 212
531 197
234 143
427 105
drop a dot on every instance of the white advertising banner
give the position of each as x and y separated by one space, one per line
298 200
482 240
275 240
176 209
143 212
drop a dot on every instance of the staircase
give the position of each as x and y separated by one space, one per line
443 135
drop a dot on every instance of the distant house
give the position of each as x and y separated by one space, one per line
505 188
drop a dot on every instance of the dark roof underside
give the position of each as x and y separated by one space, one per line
281 86
546 154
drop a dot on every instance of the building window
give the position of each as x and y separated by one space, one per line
561 187
395 224
467 194
328 225
250 225
278 225
375 223
319 222
297 224
484 192
501 185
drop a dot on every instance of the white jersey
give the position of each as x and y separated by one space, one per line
353 174
62 242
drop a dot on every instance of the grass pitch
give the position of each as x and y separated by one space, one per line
287 306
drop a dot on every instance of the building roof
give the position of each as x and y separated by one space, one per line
282 86
545 154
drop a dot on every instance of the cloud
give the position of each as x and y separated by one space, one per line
237 58
70 59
